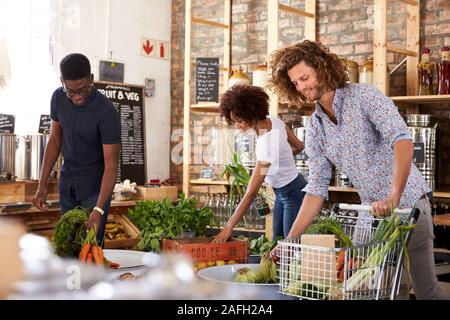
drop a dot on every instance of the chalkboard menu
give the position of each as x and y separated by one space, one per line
7 122
128 100
45 124
207 79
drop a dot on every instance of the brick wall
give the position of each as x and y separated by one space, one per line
346 26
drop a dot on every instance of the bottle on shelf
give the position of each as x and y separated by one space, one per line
366 74
425 69
443 72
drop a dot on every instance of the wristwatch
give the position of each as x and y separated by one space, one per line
99 210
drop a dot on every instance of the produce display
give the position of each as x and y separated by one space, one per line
158 219
267 272
262 245
205 264
115 231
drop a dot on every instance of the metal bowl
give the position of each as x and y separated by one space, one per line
421 120
225 275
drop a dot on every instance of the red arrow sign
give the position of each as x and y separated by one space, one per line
148 48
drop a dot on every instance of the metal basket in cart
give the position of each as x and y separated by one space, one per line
310 272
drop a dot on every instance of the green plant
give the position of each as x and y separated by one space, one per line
238 177
157 219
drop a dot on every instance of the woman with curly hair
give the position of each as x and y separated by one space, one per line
359 130
247 107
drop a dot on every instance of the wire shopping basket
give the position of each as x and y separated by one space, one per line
368 270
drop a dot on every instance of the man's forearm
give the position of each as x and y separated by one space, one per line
403 153
309 210
107 186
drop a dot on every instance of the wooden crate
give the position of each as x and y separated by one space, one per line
11 192
170 192
129 228
34 221
201 249
32 185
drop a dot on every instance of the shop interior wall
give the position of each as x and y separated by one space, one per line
346 26
112 30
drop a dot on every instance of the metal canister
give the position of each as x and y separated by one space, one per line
7 155
29 156
424 134
301 159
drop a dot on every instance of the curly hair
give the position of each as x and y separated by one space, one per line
249 103
331 72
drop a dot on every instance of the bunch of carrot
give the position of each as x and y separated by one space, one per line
340 261
92 253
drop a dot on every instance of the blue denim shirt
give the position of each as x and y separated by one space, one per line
360 144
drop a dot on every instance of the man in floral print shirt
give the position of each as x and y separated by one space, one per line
359 130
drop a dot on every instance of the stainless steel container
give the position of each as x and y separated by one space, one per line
7 154
424 140
29 154
301 159
342 180
421 120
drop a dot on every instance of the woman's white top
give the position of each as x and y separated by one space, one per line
273 147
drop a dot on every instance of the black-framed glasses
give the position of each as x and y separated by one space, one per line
84 91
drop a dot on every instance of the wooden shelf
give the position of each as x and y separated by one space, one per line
341 189
210 182
422 99
442 220
205 107
441 194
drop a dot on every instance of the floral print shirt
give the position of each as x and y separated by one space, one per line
360 145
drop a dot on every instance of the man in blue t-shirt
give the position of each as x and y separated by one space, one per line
86 126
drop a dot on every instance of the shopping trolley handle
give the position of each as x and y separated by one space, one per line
356 207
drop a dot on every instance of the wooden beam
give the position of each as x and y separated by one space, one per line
310 21
187 97
401 51
379 45
412 44
210 23
227 44
293 10
272 45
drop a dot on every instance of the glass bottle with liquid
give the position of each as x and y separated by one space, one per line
425 69
366 74
443 72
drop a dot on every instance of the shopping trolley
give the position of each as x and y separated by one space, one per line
367 270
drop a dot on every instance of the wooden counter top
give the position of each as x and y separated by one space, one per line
115 206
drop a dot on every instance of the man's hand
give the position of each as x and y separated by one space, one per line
382 208
40 199
94 221
223 236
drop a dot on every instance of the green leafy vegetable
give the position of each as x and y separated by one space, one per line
157 219
69 232
328 225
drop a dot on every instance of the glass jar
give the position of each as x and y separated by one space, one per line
352 70
443 72
366 74
260 76
425 69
